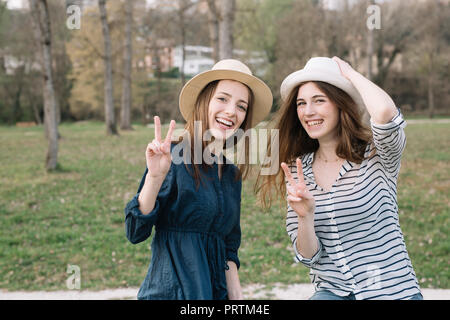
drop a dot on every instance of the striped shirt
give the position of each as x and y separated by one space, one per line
361 245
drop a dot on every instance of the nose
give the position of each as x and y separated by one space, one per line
230 108
309 109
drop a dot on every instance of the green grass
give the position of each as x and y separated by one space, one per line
75 214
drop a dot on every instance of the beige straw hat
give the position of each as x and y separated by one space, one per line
228 69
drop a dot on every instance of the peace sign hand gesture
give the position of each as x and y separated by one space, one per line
299 197
158 155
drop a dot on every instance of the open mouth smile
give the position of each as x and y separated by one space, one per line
224 122
313 123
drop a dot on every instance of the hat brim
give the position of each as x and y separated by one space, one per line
295 78
261 92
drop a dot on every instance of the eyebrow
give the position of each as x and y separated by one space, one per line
316 96
229 95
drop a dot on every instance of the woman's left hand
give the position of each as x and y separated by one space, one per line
345 67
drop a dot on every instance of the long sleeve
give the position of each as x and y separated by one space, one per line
292 228
138 227
233 239
232 242
390 141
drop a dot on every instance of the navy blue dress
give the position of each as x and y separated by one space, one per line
196 232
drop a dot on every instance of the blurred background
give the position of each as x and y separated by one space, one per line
169 41
80 81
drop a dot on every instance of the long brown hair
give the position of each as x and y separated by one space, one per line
353 135
200 113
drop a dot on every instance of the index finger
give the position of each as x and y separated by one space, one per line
288 174
301 178
170 132
157 128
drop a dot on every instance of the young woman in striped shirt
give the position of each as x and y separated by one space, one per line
340 180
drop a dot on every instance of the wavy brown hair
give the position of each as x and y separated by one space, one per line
200 113
353 135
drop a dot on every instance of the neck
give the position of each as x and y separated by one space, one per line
327 150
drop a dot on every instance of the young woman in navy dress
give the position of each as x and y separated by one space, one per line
194 206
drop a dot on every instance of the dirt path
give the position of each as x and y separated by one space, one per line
255 291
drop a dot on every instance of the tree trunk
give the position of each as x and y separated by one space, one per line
430 96
39 10
181 12
213 25
370 48
370 55
111 128
125 117
37 116
226 29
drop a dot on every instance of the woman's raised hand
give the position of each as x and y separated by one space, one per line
345 67
158 155
299 197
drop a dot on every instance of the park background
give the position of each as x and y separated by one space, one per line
73 129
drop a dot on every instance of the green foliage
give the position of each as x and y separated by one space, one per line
173 73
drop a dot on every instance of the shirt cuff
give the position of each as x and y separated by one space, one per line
308 262
232 256
132 208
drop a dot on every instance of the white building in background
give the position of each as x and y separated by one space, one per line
199 59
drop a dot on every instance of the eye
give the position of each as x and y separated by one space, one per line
222 99
243 108
320 100
301 104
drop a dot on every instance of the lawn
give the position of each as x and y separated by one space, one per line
74 216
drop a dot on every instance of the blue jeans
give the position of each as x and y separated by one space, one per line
328 295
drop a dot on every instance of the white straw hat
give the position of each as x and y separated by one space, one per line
321 69
228 69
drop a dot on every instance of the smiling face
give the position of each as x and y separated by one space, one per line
317 113
227 108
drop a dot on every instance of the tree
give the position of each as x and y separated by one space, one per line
430 50
397 30
300 36
183 6
213 27
220 21
125 119
227 9
39 11
111 128
370 47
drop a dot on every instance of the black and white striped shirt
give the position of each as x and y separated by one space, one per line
361 245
